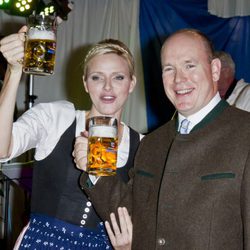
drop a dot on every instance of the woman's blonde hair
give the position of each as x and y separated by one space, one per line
110 46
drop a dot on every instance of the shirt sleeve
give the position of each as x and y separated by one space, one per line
41 127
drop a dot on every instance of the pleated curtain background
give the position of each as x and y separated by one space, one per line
89 22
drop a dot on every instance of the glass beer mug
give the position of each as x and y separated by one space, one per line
102 146
40 45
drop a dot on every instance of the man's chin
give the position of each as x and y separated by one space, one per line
184 110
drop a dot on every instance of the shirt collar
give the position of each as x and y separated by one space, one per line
198 116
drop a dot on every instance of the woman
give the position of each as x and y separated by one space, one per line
61 215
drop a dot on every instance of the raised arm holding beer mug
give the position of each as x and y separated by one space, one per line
61 215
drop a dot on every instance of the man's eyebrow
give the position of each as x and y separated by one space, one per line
189 61
167 64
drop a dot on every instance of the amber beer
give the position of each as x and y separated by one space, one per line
40 46
40 56
102 146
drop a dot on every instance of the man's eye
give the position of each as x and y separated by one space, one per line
167 69
190 66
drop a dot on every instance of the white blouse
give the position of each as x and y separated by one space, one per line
42 126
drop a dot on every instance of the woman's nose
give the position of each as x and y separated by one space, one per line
107 84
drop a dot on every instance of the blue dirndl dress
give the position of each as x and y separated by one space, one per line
49 233
62 217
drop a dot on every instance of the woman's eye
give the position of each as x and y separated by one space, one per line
119 77
95 78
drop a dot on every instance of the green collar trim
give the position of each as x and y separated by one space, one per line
215 112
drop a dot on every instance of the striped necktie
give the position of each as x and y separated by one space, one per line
184 126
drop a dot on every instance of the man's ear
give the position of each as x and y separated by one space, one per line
216 68
132 84
85 85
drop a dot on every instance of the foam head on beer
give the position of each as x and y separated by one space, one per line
41 34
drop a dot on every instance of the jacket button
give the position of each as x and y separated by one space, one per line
161 241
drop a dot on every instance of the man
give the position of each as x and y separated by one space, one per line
237 93
188 191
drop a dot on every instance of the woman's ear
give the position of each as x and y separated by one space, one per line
216 67
132 84
85 84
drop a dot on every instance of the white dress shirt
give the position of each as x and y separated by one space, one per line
198 116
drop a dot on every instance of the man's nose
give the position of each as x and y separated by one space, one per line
179 76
